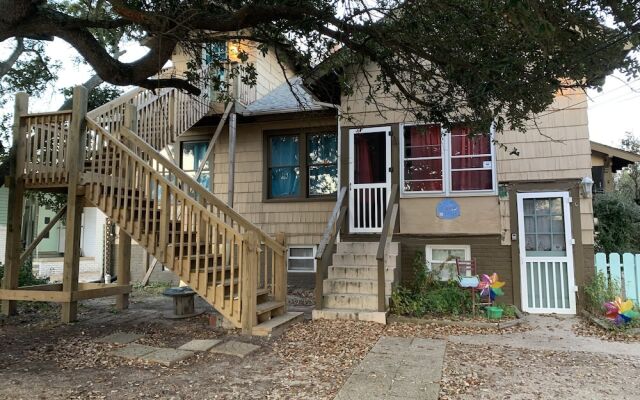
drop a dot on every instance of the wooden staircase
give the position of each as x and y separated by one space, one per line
232 264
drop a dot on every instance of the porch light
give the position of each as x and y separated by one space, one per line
234 52
587 185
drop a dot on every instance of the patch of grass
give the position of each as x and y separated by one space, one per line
599 291
152 288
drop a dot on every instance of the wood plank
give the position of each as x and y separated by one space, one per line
102 291
35 295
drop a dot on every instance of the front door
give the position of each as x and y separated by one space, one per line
546 253
369 178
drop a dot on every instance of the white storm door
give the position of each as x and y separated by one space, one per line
369 178
546 253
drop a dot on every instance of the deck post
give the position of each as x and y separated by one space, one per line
123 257
123 268
280 280
249 282
16 202
232 157
75 201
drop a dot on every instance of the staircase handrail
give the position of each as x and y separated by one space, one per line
92 125
390 218
201 191
328 240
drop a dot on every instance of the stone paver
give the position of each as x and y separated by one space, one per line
397 368
120 338
551 333
234 348
167 357
133 351
199 345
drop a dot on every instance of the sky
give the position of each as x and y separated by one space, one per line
611 112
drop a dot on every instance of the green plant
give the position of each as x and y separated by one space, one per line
599 291
427 295
25 275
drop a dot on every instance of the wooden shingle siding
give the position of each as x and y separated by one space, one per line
490 255
302 221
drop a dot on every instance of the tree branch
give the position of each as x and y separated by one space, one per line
6 65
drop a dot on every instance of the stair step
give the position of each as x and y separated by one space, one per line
353 286
362 302
360 272
275 326
268 306
350 314
365 248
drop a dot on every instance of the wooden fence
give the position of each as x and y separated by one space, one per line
623 269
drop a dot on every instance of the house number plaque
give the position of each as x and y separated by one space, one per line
448 209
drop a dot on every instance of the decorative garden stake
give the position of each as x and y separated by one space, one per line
491 286
620 312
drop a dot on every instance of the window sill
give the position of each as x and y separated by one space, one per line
301 199
450 195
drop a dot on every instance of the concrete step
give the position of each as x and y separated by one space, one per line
365 248
360 272
353 286
368 260
361 302
355 315
277 325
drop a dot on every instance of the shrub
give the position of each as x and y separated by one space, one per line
25 275
599 291
427 295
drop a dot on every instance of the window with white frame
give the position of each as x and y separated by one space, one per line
301 259
435 161
442 259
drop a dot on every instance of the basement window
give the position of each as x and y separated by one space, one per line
442 259
301 259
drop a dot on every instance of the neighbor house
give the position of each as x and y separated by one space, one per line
288 186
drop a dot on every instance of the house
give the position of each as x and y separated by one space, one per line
279 187
606 161
48 255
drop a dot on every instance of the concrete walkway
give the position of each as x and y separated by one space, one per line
552 332
397 368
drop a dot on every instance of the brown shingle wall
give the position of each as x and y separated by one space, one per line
490 255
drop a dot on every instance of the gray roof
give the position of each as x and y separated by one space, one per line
291 96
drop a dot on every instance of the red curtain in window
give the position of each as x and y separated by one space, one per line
463 145
424 141
363 168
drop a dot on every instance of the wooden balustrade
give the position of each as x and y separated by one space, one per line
198 237
390 219
326 248
45 151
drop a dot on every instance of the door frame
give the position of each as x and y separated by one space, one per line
569 245
351 166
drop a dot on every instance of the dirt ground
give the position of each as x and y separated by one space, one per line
42 358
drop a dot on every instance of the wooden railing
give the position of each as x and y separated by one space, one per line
162 115
45 148
192 235
326 248
386 236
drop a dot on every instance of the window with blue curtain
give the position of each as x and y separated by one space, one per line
303 165
284 166
192 155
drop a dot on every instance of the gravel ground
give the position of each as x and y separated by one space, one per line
41 358
500 372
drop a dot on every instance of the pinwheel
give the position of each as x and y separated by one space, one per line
620 312
490 286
